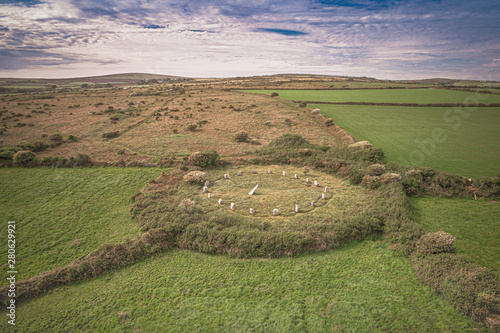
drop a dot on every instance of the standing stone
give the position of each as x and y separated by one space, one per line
209 195
326 189
313 203
252 211
205 189
316 183
284 173
296 177
239 173
253 190
323 196
225 176
297 208
269 171
254 172
233 206
276 212
219 202
307 180
207 183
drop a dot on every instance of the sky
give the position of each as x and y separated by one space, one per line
393 39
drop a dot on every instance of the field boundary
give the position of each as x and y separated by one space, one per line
405 104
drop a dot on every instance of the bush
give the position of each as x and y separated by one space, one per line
356 177
305 152
205 159
195 177
192 127
274 94
361 145
83 160
302 104
390 178
435 242
372 182
39 146
376 169
111 135
56 138
286 140
72 138
329 122
241 136
24 158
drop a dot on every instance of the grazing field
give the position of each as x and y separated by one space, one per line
417 96
63 214
463 145
474 223
363 287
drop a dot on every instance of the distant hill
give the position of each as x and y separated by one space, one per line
125 77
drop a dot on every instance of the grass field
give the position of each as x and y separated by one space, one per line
475 224
363 287
418 96
63 214
467 146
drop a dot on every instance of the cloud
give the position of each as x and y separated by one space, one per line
387 39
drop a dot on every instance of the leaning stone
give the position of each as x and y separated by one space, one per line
253 190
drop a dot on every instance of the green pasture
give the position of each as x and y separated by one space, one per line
363 287
463 141
474 223
417 96
64 214
365 85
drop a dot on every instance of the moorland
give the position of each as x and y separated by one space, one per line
122 189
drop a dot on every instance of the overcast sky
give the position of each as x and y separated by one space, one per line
396 39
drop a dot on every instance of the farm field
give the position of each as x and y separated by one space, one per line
64 214
466 146
474 223
417 96
363 287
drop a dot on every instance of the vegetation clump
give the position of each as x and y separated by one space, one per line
186 203
195 177
204 159
435 242
287 140
376 169
329 122
241 136
24 158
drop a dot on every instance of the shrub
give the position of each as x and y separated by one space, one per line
82 160
302 104
39 146
72 138
435 242
356 177
241 136
361 145
192 127
111 135
372 182
24 158
195 177
207 158
56 138
286 140
274 94
329 122
186 203
305 152
390 178
376 169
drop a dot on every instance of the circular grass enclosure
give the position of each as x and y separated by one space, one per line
346 213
